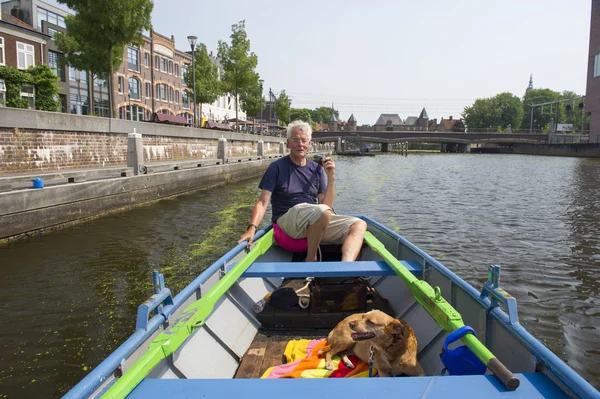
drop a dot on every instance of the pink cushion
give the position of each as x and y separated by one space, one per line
288 243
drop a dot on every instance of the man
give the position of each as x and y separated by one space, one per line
293 184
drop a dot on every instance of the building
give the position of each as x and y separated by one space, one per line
393 122
149 80
449 125
21 47
592 95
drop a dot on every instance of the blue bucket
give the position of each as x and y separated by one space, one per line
38 182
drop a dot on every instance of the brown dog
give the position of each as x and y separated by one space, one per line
394 343
340 340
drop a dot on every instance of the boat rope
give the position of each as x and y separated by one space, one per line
371 358
303 296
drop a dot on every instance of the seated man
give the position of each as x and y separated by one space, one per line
293 184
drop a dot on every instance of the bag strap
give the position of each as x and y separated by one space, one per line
458 334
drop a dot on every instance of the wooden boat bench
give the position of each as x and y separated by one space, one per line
533 386
328 269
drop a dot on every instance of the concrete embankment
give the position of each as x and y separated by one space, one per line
31 210
567 150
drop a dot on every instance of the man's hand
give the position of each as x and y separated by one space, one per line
248 235
329 166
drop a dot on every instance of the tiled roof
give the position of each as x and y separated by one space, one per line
8 17
384 118
411 120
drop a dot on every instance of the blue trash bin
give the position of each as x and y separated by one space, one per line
38 182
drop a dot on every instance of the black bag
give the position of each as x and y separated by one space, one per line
329 295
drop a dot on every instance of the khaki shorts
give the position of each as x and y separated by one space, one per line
297 219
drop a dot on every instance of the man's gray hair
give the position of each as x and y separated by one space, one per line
299 125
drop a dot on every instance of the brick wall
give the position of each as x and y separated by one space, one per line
10 49
592 96
23 150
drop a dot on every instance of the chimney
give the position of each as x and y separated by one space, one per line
450 117
17 13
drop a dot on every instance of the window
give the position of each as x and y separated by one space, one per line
134 88
120 84
55 63
171 95
83 76
597 65
133 59
146 59
157 62
185 99
25 55
157 91
79 104
72 74
184 68
2 62
45 15
28 94
132 113
171 67
164 64
176 69
176 96
163 92
2 93
148 89
52 32
101 107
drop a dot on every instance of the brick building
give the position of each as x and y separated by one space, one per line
592 96
21 47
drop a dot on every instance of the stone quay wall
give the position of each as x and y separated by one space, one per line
35 141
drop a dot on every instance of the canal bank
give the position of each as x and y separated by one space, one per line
32 210
591 150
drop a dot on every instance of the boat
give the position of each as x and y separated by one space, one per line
201 342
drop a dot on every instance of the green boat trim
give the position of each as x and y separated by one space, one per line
193 317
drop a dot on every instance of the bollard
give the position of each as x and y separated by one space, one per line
282 148
260 151
222 149
135 152
338 147
38 182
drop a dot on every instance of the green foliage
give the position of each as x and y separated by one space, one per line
208 86
239 75
323 114
99 31
41 77
541 116
300 114
501 110
282 105
250 100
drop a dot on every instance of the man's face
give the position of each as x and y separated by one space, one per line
298 143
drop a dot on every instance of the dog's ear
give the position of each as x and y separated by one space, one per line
395 327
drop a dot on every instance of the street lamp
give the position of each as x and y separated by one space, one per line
192 40
261 82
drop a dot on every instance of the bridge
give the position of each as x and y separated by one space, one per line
391 137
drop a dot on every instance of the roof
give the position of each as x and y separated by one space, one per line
169 119
333 118
411 120
9 19
352 118
424 114
452 123
393 118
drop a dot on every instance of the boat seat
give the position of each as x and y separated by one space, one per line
328 269
533 386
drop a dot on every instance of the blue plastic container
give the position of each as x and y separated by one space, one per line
38 182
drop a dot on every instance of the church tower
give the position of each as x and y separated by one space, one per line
530 83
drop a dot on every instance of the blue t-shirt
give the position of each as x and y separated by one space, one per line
291 184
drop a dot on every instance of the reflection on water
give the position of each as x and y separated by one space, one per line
70 296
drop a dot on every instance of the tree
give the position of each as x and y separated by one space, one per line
282 105
499 111
250 101
238 63
43 80
208 86
300 114
541 115
323 114
101 29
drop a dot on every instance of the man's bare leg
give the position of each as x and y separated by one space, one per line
354 241
315 233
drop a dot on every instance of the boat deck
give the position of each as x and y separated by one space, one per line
267 350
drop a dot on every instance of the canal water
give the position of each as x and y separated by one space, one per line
69 297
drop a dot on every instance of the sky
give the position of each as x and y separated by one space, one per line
373 57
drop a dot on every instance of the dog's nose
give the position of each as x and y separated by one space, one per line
352 324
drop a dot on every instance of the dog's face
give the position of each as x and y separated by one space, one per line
375 326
